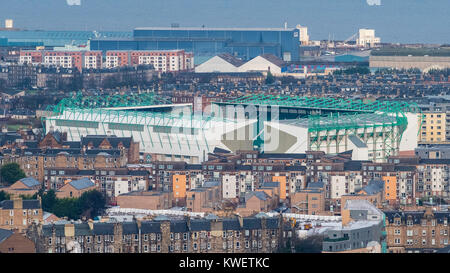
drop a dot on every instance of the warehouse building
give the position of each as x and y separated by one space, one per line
205 43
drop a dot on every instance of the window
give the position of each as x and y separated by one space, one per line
146 237
397 241
238 245
194 246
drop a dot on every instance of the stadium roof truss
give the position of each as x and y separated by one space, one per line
128 100
377 121
327 103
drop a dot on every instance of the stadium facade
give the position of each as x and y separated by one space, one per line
57 38
272 124
205 43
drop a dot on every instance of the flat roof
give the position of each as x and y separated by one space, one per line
208 28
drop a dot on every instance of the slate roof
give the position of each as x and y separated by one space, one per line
57 151
315 185
374 187
178 226
405 168
210 184
193 166
282 156
26 204
30 182
150 227
138 173
259 194
353 165
130 228
86 172
272 223
113 140
82 183
11 137
270 184
82 229
296 168
244 167
103 229
274 59
231 59
72 144
434 161
94 152
200 224
251 223
220 150
230 224
31 144
5 234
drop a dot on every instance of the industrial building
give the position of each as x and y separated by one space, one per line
227 63
372 130
205 43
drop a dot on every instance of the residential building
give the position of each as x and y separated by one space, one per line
75 188
19 214
14 242
417 231
161 235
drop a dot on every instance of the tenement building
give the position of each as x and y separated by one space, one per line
417 231
205 235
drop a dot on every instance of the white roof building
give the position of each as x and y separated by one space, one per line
263 63
222 63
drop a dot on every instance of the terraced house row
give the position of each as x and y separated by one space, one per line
417 231
206 235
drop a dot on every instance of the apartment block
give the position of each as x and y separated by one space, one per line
18 214
417 231
162 60
66 59
160 235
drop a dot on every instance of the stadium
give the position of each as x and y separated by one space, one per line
272 124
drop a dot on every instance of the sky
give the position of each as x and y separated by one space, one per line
402 21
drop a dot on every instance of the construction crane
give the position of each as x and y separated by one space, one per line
350 38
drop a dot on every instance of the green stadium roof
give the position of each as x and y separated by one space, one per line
327 103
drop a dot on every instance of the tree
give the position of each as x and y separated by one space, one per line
92 203
11 172
48 201
270 78
4 196
89 204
